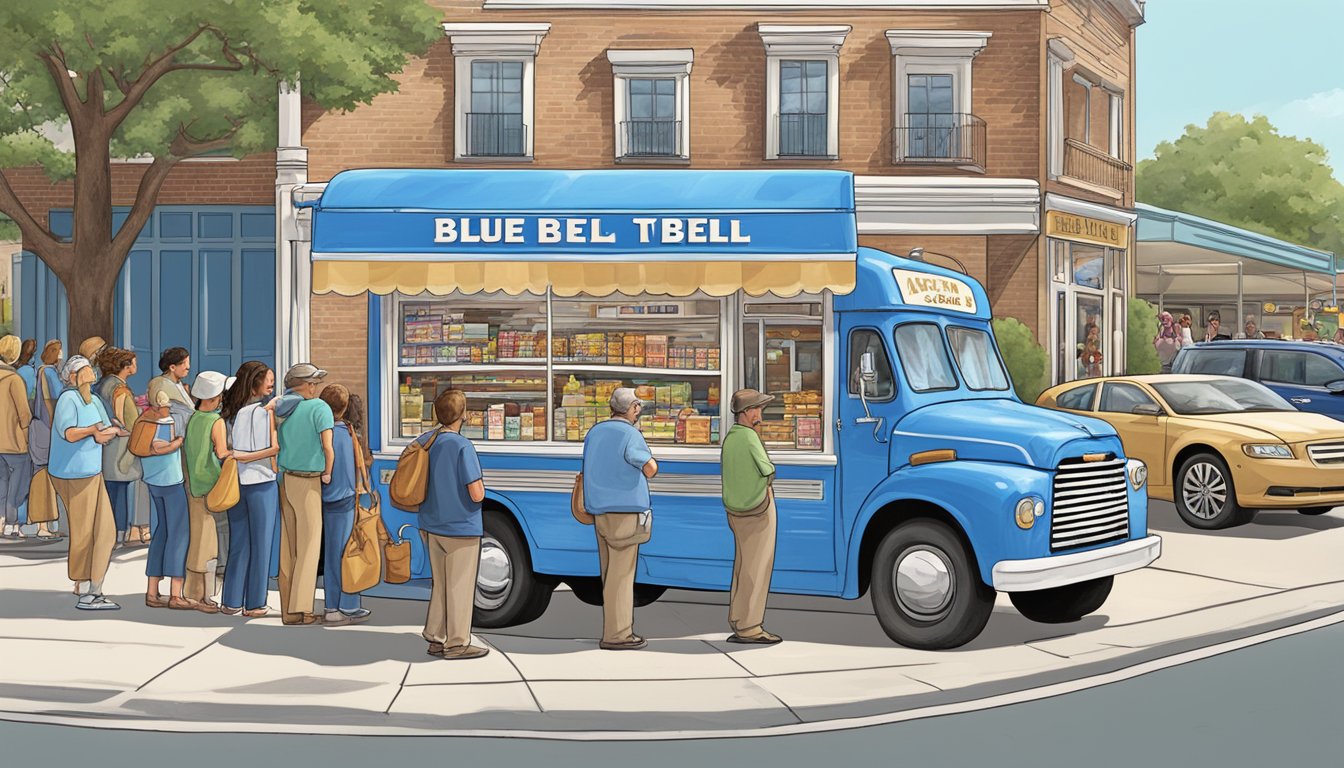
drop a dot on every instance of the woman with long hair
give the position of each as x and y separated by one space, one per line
252 522
338 508
120 468
1168 340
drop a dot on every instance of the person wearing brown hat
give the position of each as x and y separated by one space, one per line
15 414
91 347
750 503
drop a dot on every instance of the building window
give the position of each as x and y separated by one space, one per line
1059 55
1117 122
1080 109
932 98
802 90
652 104
493 87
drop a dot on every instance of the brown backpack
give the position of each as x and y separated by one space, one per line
410 480
143 431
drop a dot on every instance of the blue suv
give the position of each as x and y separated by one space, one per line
1308 374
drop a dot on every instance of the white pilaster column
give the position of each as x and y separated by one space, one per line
293 276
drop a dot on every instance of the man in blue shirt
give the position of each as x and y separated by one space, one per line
617 465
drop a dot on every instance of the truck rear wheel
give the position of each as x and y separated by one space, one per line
926 590
508 593
1059 605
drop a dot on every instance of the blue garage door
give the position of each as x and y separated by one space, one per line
200 277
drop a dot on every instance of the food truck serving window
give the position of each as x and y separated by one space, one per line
923 356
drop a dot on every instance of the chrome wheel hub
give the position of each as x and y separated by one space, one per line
494 579
1204 491
924 583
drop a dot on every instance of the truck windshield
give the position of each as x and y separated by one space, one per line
1220 396
923 355
980 366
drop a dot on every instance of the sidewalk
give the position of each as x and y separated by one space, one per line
141 667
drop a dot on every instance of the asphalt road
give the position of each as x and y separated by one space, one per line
1277 703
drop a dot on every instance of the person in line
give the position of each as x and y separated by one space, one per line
451 526
28 372
204 445
338 511
91 348
168 495
306 458
749 499
1251 330
617 466
47 386
1186 323
15 415
174 367
80 429
1168 340
1214 330
120 468
252 521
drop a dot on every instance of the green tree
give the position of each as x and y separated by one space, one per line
1026 360
1243 172
1140 354
170 80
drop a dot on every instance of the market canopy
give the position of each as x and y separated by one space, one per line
669 232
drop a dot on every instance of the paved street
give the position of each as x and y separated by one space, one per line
167 670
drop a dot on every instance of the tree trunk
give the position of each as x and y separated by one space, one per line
91 310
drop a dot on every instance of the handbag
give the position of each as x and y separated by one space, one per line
42 498
39 429
397 558
576 502
362 558
410 480
225 493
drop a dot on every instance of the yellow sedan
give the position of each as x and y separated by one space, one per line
1219 447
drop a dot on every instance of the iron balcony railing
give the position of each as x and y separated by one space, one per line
802 135
652 138
1092 166
496 134
956 138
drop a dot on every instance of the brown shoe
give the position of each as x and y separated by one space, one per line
230 611
181 604
206 606
156 601
764 638
435 649
633 644
464 652
256 613
303 620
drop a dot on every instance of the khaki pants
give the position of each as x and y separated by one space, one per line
300 543
203 526
453 561
753 562
618 574
93 534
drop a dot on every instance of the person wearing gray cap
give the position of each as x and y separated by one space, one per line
617 465
306 458
750 502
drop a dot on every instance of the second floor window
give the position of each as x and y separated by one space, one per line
652 129
932 118
495 120
803 102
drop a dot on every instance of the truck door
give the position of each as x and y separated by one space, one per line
863 444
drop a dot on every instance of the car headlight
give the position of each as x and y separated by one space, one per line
1027 511
1268 451
1138 473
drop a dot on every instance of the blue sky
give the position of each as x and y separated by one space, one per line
1280 58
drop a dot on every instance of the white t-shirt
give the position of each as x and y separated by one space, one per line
252 432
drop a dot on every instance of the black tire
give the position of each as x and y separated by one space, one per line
1314 510
1206 495
964 603
1059 605
508 593
588 589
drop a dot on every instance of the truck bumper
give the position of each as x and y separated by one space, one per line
1060 570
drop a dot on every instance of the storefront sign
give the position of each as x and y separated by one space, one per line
935 291
551 231
1069 226
1270 308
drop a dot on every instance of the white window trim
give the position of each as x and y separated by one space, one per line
1087 106
931 52
494 42
1059 55
627 65
1117 122
802 43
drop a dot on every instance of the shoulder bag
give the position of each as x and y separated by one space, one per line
410 480
225 493
39 429
362 559
576 502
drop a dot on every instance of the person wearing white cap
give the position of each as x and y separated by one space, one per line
80 428
204 446
617 465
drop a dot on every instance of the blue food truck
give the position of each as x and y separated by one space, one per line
907 467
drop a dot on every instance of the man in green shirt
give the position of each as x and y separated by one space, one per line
306 458
750 503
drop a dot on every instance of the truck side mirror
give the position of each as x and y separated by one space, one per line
867 377
867 368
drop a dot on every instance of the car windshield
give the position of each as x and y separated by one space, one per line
980 366
1220 396
923 356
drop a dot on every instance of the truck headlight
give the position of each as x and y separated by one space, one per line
1268 451
1138 473
1027 511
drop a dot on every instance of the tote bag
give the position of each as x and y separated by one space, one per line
225 493
362 559
41 498
397 558
39 430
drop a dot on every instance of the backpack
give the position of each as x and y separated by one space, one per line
410 480
39 430
143 431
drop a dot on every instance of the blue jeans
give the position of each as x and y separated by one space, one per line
338 520
16 471
120 494
168 547
251 537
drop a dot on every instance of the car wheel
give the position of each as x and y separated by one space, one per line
1314 510
927 592
1206 496
508 593
588 589
1058 605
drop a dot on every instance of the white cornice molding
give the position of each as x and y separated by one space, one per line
496 39
789 39
1054 202
676 61
770 5
947 205
937 42
1131 10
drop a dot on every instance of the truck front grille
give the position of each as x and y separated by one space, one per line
1090 505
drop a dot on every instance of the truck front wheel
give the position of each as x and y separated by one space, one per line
507 591
926 591
1058 605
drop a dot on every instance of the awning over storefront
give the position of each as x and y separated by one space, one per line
1184 258
669 232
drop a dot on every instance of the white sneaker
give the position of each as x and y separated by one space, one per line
96 603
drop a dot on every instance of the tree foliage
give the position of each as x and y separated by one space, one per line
1245 173
1026 360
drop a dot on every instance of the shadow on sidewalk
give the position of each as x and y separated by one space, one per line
1268 525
